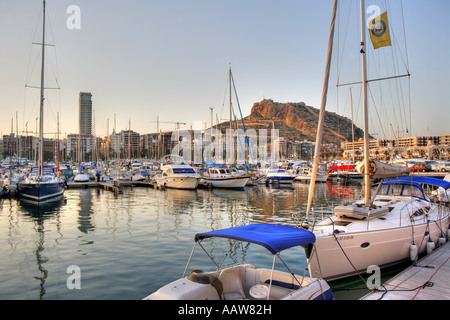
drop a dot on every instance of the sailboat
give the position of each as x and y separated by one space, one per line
395 224
41 184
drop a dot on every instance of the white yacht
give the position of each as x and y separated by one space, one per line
278 175
306 174
222 177
178 176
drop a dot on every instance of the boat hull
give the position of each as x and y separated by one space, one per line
228 182
237 283
379 247
307 178
189 183
281 178
41 191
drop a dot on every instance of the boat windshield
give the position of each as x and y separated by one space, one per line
183 170
404 190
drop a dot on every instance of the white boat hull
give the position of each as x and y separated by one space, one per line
227 182
81 177
238 282
182 182
307 178
378 247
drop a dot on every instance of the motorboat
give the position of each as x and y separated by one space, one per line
177 176
305 176
397 226
122 176
139 176
221 177
244 281
278 175
81 177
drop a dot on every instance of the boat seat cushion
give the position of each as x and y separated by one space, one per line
232 285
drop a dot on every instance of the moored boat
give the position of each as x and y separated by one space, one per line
220 177
178 176
278 175
402 218
245 281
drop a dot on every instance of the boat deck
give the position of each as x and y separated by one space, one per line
432 270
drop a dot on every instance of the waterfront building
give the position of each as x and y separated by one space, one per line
10 144
79 146
436 147
130 142
85 113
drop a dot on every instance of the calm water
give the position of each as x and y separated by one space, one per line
129 245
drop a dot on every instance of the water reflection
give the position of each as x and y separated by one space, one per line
145 230
85 210
39 213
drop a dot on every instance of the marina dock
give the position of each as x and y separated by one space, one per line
109 185
428 279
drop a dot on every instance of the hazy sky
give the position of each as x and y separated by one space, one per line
170 58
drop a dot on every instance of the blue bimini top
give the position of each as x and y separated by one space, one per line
421 180
273 237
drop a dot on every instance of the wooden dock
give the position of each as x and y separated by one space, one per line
110 185
428 279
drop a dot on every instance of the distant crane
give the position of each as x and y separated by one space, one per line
159 133
158 122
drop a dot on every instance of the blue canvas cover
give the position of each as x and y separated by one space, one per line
273 237
423 180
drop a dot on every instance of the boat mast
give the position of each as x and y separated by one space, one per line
318 146
366 186
231 120
41 111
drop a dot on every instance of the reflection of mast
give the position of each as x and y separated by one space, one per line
84 215
46 210
41 259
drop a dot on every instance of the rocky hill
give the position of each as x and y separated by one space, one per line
297 121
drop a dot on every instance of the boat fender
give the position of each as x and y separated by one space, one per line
413 251
430 245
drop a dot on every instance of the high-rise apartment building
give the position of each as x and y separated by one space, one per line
85 113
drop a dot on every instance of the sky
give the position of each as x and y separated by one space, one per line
170 59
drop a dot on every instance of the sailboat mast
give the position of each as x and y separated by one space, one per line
320 125
367 190
231 119
41 111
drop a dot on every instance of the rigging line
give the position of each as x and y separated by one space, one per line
400 91
396 43
340 62
342 249
239 139
242 119
224 98
31 46
53 41
404 33
218 94
376 109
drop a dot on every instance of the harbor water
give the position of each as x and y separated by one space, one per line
125 246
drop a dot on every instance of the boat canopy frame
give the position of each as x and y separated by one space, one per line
274 237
